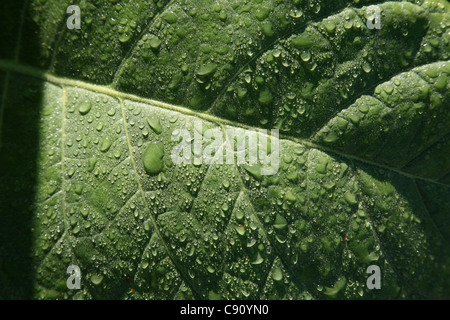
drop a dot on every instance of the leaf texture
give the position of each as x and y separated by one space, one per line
86 175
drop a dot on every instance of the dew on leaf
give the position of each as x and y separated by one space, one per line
277 274
330 26
254 171
84 212
301 42
280 222
289 196
265 97
124 37
338 286
354 117
257 259
294 13
173 118
388 88
239 214
223 16
305 55
85 107
350 198
96 279
363 108
366 67
207 69
321 167
170 17
105 145
155 124
78 188
155 43
91 163
267 29
153 158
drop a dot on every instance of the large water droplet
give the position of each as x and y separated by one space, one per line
265 97
254 170
155 43
106 144
280 222
153 158
96 279
277 274
367 67
330 26
154 124
305 55
350 198
170 17
207 69
85 107
257 259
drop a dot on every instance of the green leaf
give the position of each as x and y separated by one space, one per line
87 123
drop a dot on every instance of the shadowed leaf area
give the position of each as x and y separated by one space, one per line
87 175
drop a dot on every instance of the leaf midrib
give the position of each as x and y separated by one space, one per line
13 66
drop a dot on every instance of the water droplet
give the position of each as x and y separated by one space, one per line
321 167
223 16
240 229
338 286
363 108
388 88
207 69
85 107
254 170
330 26
289 196
173 118
366 67
155 124
78 188
155 43
84 212
348 24
354 117
265 97
280 222
294 13
170 17
124 37
91 163
305 55
239 214
301 42
257 259
350 198
267 29
153 158
251 242
96 279
277 274
106 144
